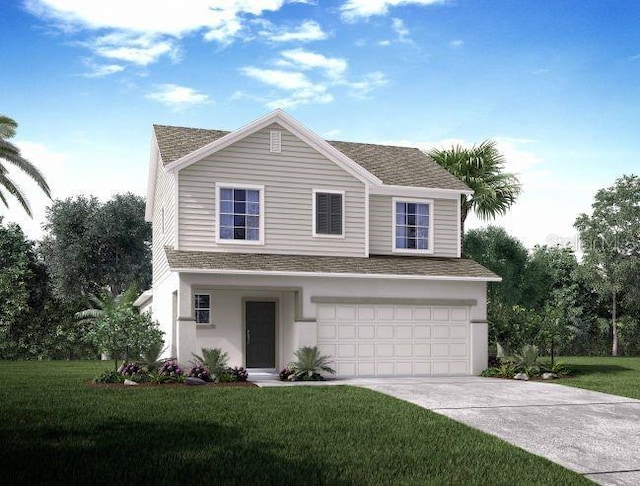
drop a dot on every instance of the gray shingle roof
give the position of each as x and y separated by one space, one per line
374 265
402 166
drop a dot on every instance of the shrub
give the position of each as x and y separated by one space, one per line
494 361
507 370
310 363
225 376
131 369
109 376
528 356
171 371
239 373
198 370
558 368
150 355
285 374
490 372
214 359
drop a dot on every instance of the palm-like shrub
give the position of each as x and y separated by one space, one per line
310 363
150 355
528 356
215 359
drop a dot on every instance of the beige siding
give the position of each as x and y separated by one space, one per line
289 179
445 215
164 199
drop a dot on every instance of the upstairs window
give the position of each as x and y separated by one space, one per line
413 226
240 214
328 213
202 308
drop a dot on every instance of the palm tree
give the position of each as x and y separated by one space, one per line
11 154
482 168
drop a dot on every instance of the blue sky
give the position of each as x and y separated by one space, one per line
554 82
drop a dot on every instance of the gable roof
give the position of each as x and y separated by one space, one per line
375 266
397 166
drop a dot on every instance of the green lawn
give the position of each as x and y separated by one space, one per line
618 376
54 429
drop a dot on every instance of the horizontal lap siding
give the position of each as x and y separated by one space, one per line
164 198
288 178
445 215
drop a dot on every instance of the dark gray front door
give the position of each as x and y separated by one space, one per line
261 334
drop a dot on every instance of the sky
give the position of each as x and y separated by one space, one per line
554 82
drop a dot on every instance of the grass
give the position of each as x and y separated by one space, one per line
56 430
618 376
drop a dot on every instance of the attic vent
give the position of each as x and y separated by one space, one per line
276 142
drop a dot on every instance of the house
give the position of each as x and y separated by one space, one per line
269 238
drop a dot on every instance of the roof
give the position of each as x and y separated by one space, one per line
428 268
143 298
398 166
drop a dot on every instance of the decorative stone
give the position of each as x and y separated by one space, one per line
521 376
130 383
549 376
193 381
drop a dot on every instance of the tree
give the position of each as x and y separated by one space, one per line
11 154
482 168
610 239
90 246
116 327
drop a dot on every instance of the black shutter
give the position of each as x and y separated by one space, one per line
335 220
322 213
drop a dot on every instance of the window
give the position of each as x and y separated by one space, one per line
202 308
240 214
328 210
412 225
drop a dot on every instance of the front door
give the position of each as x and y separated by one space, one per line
260 334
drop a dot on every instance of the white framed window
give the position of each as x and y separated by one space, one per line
240 214
328 213
412 225
202 308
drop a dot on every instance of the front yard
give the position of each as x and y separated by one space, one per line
618 376
54 429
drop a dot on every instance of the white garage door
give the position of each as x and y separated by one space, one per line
388 340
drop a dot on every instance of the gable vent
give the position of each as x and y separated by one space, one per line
276 142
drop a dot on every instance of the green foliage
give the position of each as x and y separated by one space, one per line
117 328
490 373
109 376
215 359
10 154
91 245
507 370
150 356
558 368
528 356
309 363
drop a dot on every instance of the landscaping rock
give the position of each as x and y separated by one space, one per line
193 381
549 376
521 376
130 383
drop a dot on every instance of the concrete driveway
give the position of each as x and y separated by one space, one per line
594 434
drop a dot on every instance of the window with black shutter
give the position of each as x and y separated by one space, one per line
328 213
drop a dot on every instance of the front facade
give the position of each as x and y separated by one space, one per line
268 238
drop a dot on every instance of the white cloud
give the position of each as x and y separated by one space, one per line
306 32
308 76
456 44
353 10
333 67
178 97
142 31
101 70
402 33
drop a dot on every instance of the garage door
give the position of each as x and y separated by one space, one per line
391 340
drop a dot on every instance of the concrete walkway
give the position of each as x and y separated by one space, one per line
592 433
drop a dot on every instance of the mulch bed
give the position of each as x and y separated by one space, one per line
245 384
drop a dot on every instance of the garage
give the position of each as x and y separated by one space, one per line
395 340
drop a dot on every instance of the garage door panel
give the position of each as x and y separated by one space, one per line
387 340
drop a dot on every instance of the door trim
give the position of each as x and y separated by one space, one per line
276 302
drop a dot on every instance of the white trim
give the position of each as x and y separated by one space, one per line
227 271
315 191
234 185
430 238
296 128
154 157
409 191
458 232
143 298
366 221
176 210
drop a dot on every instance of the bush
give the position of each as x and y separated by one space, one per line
109 376
214 359
239 373
132 369
200 371
490 372
171 371
310 363
285 374
558 368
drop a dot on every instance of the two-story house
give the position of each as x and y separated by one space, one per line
269 238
